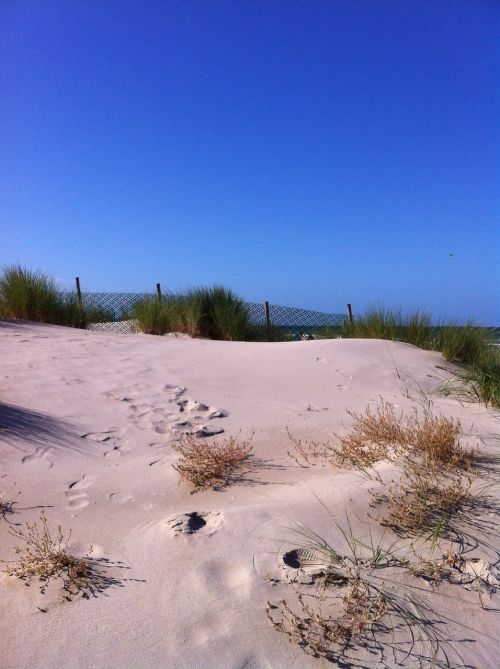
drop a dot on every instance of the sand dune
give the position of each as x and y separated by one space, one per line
88 420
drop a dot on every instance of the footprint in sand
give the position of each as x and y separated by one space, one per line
114 451
76 495
196 522
41 455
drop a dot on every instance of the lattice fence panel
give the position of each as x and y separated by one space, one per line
112 312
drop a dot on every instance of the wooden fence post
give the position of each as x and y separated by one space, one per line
158 291
349 312
268 321
78 291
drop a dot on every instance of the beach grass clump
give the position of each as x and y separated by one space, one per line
211 464
32 295
45 557
226 314
464 343
380 323
214 313
479 381
152 316
192 312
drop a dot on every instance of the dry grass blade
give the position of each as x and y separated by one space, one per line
211 464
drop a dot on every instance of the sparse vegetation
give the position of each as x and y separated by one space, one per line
422 499
7 501
384 434
211 464
368 599
45 557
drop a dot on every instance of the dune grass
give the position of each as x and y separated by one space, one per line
29 295
214 313
152 316
469 344
351 604
380 323
32 295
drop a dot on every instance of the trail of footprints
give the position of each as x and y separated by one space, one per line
167 412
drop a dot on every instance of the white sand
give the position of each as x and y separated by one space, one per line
88 420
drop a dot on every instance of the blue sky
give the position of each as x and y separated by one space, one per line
307 153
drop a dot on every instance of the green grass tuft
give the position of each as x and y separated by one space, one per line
31 295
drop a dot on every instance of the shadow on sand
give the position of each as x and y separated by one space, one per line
23 427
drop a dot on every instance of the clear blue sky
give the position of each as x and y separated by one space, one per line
310 153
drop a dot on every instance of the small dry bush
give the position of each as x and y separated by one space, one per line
373 437
317 630
211 464
44 557
437 570
384 434
435 438
422 500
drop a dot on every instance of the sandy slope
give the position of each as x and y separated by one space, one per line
88 420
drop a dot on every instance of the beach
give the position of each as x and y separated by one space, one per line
184 577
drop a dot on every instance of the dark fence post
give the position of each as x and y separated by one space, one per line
78 291
268 321
349 311
158 291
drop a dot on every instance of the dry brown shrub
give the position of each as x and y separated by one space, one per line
435 438
373 437
384 434
437 570
45 557
318 631
422 499
211 464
